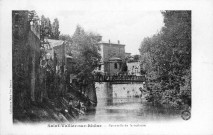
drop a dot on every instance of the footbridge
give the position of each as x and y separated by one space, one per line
120 78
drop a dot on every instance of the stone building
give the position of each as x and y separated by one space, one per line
25 59
113 54
134 68
127 55
56 52
59 62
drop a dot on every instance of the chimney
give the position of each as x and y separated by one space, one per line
118 41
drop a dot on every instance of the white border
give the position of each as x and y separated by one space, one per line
202 64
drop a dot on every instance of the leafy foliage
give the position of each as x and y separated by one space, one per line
65 37
166 56
45 27
49 30
84 49
55 29
136 57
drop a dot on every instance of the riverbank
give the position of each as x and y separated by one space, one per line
47 111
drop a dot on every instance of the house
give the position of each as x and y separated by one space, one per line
25 59
134 68
127 55
113 55
56 52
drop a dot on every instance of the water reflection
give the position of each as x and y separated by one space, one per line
129 110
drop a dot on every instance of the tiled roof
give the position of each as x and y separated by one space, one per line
114 58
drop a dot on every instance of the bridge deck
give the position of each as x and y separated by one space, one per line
117 79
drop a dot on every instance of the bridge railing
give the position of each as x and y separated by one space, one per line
120 78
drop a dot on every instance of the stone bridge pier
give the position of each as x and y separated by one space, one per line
108 89
104 90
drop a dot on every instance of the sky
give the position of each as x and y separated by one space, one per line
129 27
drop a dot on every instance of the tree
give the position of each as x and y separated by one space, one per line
177 36
46 29
55 29
32 16
49 30
136 57
167 54
65 37
85 53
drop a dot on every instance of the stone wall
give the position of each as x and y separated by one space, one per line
25 60
20 59
108 94
126 90
34 43
90 93
104 90
60 53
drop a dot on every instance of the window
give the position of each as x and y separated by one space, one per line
115 66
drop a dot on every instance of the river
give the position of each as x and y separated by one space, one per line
129 110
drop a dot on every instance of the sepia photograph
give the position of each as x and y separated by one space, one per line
80 76
105 67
